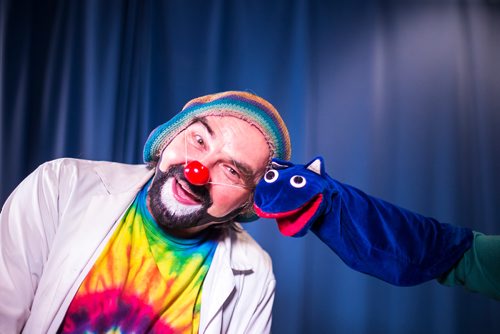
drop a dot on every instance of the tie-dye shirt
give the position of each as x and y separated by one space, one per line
143 281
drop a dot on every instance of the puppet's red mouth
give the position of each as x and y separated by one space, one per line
291 222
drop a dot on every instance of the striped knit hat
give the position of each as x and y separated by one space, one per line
249 107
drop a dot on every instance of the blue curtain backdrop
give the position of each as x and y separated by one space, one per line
402 98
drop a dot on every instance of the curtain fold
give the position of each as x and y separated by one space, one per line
400 98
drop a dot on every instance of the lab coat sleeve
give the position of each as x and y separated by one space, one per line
28 222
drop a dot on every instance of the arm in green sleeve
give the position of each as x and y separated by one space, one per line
479 268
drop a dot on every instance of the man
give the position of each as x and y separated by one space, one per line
97 246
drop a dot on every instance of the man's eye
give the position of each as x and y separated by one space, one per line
199 140
232 171
232 175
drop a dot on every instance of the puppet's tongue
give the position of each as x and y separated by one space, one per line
293 221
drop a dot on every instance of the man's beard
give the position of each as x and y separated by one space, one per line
171 214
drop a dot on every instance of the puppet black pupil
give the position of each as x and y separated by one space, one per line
269 175
297 179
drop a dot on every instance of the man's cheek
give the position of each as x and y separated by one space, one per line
172 155
224 202
219 203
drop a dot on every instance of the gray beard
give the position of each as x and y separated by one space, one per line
175 215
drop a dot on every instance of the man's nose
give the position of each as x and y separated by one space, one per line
196 173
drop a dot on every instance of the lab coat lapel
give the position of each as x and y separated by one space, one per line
94 230
217 289
224 279
104 210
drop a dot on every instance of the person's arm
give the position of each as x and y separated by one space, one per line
28 222
479 268
369 234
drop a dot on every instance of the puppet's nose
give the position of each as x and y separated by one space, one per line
196 173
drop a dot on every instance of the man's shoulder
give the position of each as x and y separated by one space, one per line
114 175
93 166
63 168
88 164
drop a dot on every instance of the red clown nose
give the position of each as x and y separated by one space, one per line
196 173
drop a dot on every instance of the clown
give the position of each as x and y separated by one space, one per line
92 246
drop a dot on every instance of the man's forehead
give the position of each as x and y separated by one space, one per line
216 126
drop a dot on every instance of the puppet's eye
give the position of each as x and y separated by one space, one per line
297 181
271 176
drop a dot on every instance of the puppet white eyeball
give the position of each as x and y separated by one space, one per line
298 181
271 176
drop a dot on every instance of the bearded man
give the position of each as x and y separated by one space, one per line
93 247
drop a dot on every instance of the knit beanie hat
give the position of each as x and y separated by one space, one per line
246 106
249 107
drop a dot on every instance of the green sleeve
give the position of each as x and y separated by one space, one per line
479 268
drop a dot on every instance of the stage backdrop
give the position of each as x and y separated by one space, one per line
402 98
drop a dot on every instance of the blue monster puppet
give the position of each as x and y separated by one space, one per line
370 235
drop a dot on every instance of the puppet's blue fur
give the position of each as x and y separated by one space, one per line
370 235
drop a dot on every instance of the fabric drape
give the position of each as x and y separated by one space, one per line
401 98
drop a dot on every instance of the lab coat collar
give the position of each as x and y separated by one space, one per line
133 177
125 178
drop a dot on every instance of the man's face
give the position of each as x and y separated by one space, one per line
235 154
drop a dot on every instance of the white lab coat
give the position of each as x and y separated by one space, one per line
55 225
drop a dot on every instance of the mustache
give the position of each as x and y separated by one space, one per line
177 172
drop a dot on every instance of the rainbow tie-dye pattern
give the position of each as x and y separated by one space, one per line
143 281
